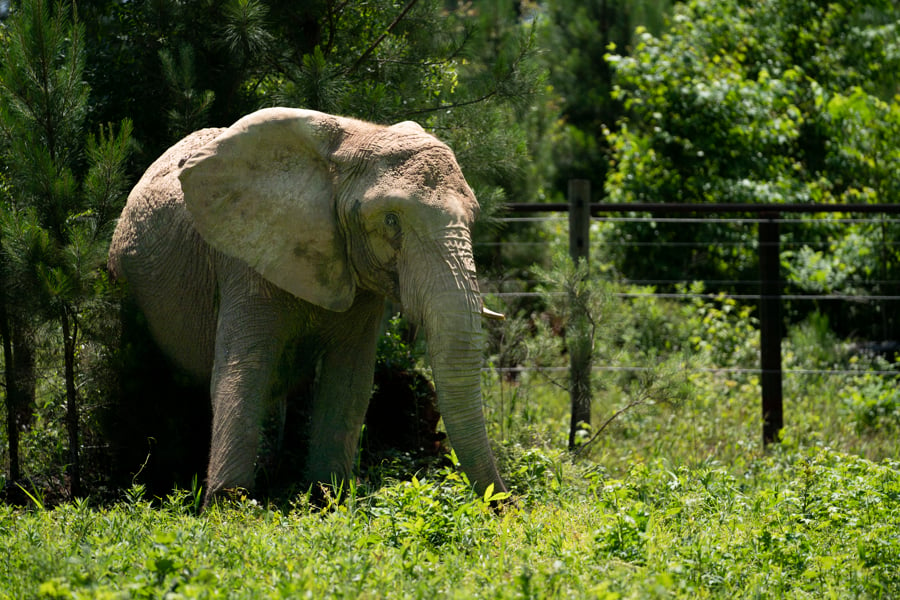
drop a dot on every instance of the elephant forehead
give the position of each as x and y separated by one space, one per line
434 160
431 177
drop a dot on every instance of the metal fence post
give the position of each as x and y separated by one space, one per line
579 337
770 326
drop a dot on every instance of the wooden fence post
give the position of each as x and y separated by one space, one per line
579 219
579 337
770 326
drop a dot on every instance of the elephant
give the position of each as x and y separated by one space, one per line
263 253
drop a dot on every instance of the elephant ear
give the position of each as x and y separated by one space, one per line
264 192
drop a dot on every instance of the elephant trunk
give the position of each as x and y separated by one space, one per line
450 311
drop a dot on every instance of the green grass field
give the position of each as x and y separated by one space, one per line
675 498
673 502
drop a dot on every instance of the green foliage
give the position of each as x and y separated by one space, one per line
418 512
873 402
396 349
42 108
723 332
400 433
175 66
675 499
784 102
577 33
777 102
190 110
64 191
801 523
162 69
717 115
627 348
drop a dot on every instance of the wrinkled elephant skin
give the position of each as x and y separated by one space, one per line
287 231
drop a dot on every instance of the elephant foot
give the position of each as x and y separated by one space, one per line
226 497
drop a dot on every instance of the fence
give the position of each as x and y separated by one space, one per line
770 297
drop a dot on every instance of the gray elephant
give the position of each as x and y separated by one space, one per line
262 254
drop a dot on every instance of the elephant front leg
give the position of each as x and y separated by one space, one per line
247 348
236 428
343 389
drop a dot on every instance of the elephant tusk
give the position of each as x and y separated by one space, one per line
489 314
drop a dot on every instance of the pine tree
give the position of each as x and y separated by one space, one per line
65 190
18 352
580 33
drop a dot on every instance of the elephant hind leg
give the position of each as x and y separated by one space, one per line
184 325
173 283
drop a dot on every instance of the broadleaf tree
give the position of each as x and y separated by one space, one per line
776 102
577 35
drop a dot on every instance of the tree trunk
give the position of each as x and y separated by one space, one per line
580 344
579 341
70 338
12 396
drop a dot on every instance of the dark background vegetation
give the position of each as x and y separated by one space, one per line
696 102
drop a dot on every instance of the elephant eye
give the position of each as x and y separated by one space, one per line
392 220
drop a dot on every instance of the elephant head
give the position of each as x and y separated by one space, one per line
326 207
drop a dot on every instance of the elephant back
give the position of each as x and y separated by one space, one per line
165 264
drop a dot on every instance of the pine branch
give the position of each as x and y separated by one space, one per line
637 402
498 86
381 38
424 111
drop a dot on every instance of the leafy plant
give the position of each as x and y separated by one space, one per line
873 402
795 113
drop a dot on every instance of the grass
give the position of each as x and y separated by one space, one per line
800 523
676 498
673 502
